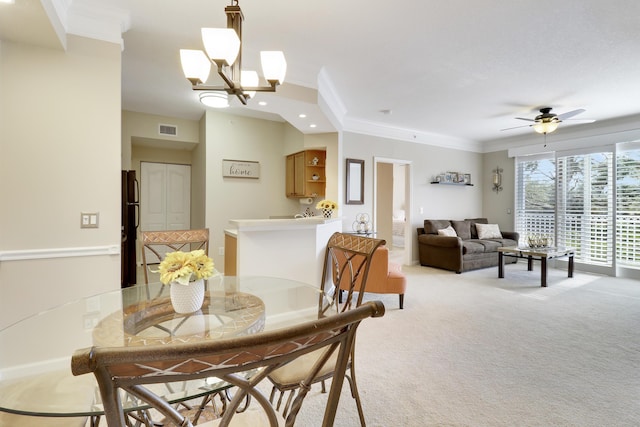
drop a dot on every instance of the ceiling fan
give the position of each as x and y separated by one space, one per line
546 122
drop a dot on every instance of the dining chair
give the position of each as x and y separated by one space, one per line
243 362
155 244
346 266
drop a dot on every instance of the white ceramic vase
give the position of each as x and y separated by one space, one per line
189 298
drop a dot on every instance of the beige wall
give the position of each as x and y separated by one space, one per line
59 156
145 129
242 138
498 206
426 161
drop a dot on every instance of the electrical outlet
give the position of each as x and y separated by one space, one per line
221 250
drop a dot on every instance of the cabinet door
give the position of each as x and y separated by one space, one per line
299 180
290 178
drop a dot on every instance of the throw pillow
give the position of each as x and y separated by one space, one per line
488 231
474 221
463 229
449 231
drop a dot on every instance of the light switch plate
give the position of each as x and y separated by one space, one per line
89 220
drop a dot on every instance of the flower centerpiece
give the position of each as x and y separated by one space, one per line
327 207
186 272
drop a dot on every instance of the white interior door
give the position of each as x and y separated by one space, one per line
165 198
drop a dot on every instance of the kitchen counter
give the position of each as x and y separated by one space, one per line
288 248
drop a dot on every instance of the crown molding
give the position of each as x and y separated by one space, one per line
335 110
95 22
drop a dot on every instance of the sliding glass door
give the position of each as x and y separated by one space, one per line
584 207
587 199
628 205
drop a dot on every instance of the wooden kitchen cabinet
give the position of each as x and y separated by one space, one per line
306 174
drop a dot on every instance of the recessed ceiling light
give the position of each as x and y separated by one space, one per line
262 103
7 1
312 125
302 115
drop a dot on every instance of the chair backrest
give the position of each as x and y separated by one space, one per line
346 265
133 369
156 244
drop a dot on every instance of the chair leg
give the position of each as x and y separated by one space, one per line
356 396
401 301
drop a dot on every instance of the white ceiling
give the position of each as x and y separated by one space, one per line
453 72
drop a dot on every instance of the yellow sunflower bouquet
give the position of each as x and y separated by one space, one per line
182 267
327 204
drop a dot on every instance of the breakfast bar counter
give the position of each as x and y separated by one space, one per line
289 248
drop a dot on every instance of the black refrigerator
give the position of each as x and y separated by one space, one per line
130 222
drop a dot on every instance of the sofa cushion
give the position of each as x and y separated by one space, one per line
449 231
463 229
431 226
473 222
490 245
488 231
472 247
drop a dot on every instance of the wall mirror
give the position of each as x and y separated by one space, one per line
355 182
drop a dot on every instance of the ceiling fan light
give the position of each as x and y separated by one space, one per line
214 99
274 66
249 78
221 44
545 127
195 65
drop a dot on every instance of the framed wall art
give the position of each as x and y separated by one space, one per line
240 169
355 182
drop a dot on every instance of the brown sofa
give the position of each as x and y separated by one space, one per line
463 252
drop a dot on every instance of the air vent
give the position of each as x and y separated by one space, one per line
168 130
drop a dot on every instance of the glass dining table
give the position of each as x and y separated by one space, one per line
35 353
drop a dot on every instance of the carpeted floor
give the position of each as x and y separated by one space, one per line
475 350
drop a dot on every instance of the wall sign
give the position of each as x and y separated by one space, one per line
240 169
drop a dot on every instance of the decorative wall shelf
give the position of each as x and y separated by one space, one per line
459 184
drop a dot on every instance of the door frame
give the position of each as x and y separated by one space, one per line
408 189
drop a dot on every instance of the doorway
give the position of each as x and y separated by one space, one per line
392 206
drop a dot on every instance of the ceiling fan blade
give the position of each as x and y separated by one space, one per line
570 114
580 120
522 118
516 127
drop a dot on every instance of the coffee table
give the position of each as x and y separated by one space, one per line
538 254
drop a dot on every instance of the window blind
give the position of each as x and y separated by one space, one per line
535 196
585 206
628 205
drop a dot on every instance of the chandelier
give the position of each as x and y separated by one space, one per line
223 48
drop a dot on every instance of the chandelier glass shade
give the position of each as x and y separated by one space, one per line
221 44
214 99
223 48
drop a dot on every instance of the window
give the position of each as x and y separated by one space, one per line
585 206
628 205
535 197
570 197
